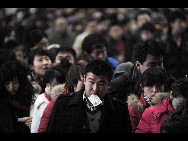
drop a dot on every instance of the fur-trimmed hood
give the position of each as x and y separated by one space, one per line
158 97
57 90
134 101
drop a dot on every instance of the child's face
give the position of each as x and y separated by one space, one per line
41 64
12 86
50 85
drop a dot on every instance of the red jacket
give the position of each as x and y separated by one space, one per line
136 108
45 117
154 116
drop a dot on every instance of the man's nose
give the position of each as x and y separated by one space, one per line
95 88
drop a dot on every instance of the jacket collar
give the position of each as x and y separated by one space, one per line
77 99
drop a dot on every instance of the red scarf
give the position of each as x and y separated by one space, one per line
47 96
15 103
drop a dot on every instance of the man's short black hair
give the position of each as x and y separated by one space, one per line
65 49
151 46
148 26
99 67
178 14
92 41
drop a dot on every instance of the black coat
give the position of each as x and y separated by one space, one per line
9 119
175 58
69 115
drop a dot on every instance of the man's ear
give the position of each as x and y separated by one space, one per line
31 66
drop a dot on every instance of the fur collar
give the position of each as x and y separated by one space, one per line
57 90
134 101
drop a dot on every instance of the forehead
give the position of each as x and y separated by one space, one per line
150 58
40 56
99 49
96 78
63 54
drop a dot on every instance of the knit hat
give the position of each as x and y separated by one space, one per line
123 68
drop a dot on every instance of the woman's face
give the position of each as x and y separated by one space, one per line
41 64
12 86
152 90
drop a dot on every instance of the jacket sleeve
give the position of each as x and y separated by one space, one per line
144 125
45 117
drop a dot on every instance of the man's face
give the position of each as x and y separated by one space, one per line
99 53
96 84
150 61
64 55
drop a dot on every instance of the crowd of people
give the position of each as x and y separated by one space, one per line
93 70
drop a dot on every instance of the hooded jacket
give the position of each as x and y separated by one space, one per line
137 106
154 116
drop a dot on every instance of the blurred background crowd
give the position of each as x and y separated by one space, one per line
123 28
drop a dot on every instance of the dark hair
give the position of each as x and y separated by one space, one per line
151 46
148 26
99 67
50 74
11 44
37 51
6 55
73 76
178 14
63 68
86 57
63 50
13 69
34 37
92 41
180 88
153 76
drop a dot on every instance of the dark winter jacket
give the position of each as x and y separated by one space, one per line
154 116
69 115
177 122
175 58
9 119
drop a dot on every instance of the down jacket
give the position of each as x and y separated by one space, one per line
137 106
154 116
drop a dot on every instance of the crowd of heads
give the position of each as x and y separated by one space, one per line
79 47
